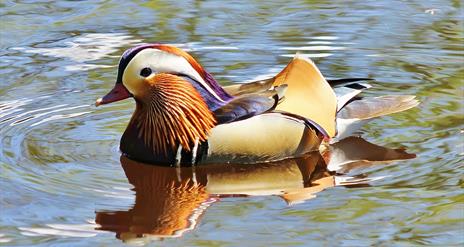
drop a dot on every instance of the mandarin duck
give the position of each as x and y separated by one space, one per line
184 117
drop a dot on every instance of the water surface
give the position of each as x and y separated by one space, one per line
61 171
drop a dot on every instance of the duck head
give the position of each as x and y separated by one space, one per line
174 98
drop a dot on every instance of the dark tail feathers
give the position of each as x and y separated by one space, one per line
346 81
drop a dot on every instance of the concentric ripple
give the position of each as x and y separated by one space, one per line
47 150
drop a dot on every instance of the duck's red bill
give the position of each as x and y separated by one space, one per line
119 92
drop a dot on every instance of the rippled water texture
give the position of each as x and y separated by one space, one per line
63 182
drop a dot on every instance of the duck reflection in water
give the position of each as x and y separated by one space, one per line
170 201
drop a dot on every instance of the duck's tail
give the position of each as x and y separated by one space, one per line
352 116
310 95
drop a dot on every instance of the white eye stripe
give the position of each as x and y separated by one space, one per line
159 62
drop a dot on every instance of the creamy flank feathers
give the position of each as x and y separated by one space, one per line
266 137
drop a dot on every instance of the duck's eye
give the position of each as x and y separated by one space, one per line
145 72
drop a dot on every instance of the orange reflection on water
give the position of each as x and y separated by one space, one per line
170 201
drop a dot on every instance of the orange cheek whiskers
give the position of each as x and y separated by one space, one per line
174 114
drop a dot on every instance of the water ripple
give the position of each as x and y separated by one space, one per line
83 49
79 231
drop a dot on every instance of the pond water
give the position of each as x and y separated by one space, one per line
63 182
